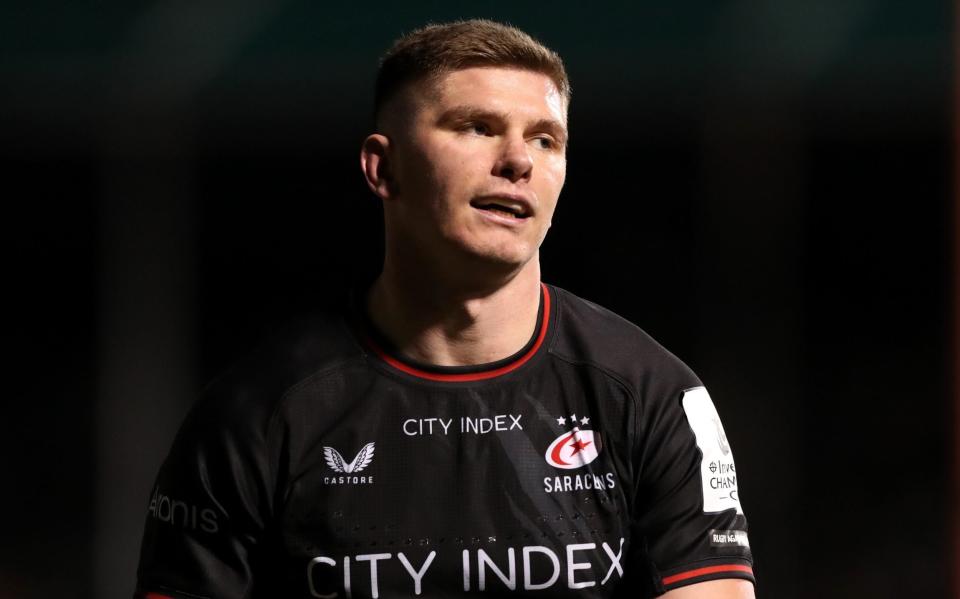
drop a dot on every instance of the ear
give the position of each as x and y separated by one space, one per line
375 163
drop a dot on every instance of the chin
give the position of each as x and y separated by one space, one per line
504 253
506 258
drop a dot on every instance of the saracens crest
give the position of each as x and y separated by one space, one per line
575 448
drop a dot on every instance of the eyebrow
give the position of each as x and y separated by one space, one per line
467 113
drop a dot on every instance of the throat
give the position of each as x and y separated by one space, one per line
457 331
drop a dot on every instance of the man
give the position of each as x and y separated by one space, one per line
464 428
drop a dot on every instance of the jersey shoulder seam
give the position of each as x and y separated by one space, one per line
319 372
273 423
325 370
633 392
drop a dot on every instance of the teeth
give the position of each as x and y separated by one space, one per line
511 210
492 205
498 210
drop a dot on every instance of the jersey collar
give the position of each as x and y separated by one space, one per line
382 350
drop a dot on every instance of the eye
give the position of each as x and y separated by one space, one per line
477 129
545 142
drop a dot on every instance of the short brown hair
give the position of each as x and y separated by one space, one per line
437 49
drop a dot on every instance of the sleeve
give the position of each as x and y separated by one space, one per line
688 511
209 507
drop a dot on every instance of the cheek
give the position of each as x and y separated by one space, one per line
451 181
413 172
419 183
552 183
431 199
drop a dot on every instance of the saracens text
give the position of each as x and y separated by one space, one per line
578 482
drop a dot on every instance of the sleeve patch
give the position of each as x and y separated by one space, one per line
717 471
728 538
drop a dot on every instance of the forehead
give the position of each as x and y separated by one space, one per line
500 89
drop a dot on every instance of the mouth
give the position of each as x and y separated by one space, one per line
504 206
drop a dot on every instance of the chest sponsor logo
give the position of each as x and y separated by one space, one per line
526 568
718 473
466 425
349 470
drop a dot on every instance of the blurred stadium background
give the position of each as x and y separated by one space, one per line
766 187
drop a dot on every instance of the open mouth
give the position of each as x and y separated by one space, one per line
502 207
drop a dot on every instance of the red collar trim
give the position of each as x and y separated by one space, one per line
471 376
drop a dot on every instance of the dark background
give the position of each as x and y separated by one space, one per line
765 187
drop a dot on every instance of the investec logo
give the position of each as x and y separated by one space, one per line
350 469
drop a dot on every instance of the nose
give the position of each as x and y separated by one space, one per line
514 162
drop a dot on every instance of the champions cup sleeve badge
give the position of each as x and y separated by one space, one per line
718 472
338 464
574 449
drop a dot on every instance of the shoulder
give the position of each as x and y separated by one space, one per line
591 334
249 393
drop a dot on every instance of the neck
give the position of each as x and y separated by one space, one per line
437 318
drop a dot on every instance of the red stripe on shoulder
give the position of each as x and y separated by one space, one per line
706 571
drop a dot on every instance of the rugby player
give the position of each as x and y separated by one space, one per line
459 427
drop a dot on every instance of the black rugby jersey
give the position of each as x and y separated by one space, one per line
590 464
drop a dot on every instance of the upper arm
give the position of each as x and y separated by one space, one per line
713 589
687 508
208 508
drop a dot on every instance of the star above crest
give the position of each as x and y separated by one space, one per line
562 420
